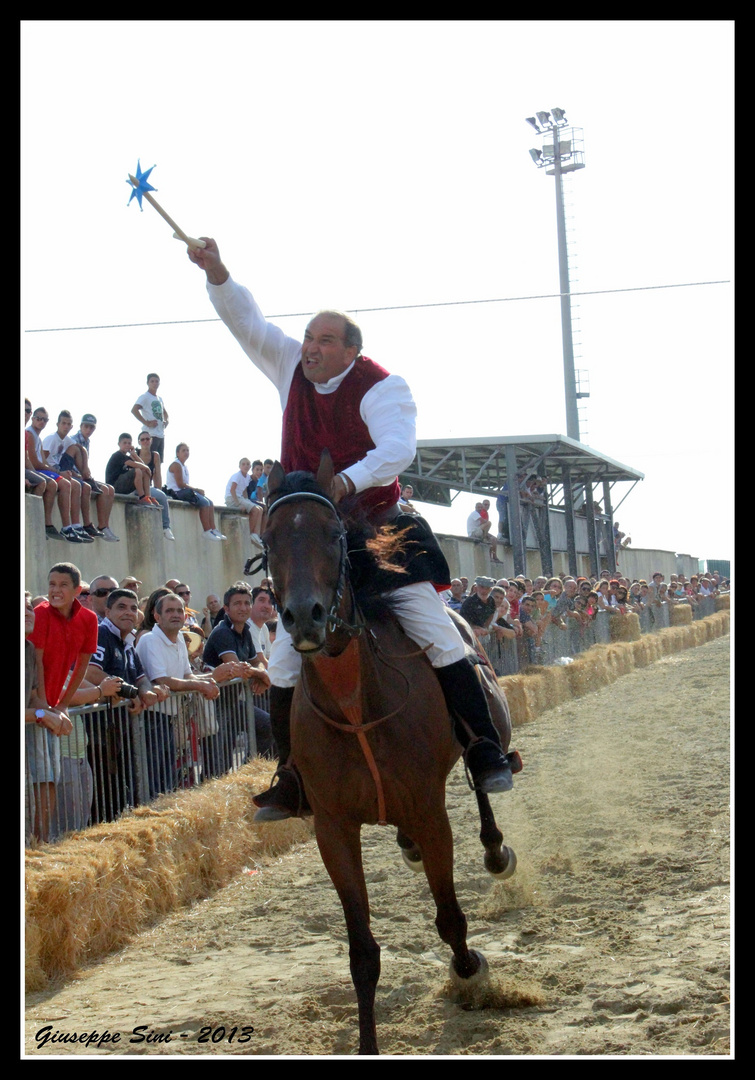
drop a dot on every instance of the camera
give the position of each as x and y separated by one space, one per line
128 691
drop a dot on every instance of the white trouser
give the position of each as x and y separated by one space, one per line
423 617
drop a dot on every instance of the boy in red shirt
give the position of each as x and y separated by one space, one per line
65 636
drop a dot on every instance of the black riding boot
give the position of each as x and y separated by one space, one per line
286 798
465 699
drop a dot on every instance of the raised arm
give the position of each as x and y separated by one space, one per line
208 258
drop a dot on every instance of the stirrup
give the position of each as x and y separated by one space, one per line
282 800
494 778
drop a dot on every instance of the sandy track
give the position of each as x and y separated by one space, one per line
612 938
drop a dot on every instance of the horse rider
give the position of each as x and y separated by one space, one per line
335 398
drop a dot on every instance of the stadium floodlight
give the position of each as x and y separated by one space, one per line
544 118
536 155
558 115
533 121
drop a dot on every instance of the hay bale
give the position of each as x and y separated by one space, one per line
95 890
723 603
516 695
681 615
589 671
625 627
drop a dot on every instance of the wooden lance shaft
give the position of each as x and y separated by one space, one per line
178 233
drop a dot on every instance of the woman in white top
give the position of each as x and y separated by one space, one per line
179 487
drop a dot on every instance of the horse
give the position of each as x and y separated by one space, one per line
370 732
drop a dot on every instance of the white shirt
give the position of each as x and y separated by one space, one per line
473 522
163 658
152 407
387 409
241 482
260 638
170 479
56 447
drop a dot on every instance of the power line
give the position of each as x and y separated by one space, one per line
391 307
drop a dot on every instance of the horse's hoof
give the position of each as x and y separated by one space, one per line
479 976
414 864
494 863
271 813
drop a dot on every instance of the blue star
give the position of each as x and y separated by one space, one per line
142 186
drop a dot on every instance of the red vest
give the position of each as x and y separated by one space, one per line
315 422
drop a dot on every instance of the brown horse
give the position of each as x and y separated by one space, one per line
370 732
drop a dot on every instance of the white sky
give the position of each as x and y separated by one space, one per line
369 164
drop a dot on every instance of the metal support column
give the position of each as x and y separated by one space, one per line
571 543
610 549
518 542
592 540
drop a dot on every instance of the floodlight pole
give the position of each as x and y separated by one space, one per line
570 380
575 160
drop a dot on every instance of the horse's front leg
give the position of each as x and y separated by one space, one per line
438 858
341 851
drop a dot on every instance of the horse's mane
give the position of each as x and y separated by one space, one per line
372 552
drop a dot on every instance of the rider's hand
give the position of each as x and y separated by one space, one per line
208 258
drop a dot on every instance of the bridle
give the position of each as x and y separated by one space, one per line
334 620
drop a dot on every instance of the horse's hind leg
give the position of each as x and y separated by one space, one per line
500 861
341 851
438 858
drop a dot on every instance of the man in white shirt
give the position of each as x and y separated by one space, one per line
334 397
150 411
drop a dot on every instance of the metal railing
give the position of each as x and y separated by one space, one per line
114 760
509 656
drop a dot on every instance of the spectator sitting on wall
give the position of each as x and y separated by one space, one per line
261 489
36 455
179 487
65 457
105 492
38 483
152 459
127 473
237 499
479 528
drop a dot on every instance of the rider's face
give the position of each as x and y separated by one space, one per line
323 353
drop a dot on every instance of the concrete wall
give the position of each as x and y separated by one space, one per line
206 566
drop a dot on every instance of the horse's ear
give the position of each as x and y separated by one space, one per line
275 479
325 471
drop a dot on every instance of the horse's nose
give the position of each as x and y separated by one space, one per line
306 622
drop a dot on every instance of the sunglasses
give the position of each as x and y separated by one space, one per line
103 592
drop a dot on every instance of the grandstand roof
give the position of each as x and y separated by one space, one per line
479 465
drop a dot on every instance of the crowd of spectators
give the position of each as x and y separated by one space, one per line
57 470
523 609
99 642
